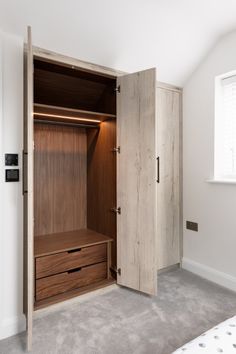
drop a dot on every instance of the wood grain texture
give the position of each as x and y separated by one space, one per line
28 193
67 281
73 71
60 175
101 173
66 241
109 263
64 60
73 293
64 261
66 87
67 91
169 87
136 187
61 114
107 101
168 191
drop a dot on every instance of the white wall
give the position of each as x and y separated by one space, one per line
127 35
11 234
212 251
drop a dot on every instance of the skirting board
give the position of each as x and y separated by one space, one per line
220 278
11 326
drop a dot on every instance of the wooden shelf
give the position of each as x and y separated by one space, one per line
64 241
55 114
73 293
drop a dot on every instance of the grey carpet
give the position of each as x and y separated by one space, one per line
126 322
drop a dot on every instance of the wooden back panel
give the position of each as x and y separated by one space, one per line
58 85
101 182
60 178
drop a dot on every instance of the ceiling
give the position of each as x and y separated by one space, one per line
129 35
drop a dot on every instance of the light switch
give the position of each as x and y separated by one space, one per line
12 175
11 159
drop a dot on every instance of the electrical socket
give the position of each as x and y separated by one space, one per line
190 225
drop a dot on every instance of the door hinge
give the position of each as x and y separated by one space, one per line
116 210
116 149
117 89
115 270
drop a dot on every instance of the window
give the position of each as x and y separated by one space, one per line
225 127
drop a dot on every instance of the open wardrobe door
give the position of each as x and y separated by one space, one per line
28 190
136 181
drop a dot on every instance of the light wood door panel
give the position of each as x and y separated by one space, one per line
136 181
28 191
168 190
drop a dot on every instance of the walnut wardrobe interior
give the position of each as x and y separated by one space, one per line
74 181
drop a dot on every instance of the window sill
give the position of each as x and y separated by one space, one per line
221 181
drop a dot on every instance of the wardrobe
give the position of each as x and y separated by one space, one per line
91 176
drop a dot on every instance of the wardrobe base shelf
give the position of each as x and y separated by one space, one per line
73 293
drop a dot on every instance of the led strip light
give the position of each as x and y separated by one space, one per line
67 117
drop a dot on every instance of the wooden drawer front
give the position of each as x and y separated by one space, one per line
61 262
60 283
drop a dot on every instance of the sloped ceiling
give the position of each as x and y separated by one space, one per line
129 35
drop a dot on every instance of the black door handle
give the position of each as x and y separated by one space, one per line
158 169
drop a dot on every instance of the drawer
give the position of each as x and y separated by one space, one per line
60 283
64 261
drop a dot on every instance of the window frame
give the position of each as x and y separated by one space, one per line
218 124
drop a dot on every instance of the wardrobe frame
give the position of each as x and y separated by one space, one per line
144 279
172 250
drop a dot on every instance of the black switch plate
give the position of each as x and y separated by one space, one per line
12 176
11 159
190 225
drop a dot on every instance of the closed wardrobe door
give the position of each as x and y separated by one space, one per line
168 188
136 181
28 192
